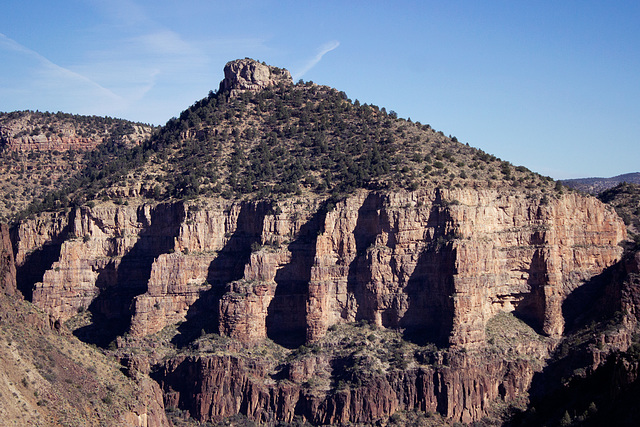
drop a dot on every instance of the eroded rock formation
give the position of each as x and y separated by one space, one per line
436 263
8 283
248 74
215 387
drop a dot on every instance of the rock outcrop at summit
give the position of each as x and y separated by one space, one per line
248 74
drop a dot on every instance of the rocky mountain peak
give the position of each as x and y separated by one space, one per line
249 74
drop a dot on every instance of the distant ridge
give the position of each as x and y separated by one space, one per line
597 185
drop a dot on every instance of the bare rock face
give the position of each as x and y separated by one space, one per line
248 74
214 387
95 259
442 263
436 263
8 282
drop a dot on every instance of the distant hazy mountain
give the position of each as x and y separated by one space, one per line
597 185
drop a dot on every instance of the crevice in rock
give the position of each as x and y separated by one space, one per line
32 270
286 320
119 283
227 267
531 309
365 233
429 317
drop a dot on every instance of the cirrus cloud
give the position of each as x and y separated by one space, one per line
322 51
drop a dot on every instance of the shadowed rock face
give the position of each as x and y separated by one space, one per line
436 263
437 268
8 282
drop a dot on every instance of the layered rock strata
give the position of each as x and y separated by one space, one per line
436 263
25 131
215 387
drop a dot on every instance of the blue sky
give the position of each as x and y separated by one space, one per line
551 85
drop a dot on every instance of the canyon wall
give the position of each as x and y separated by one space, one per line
215 387
8 282
435 263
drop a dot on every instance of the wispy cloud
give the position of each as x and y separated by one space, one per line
41 74
158 69
126 64
322 51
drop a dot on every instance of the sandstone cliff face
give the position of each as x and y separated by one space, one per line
94 258
211 249
444 262
8 282
436 263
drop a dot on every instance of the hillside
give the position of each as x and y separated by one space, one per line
625 198
50 378
282 255
310 139
39 151
284 140
597 185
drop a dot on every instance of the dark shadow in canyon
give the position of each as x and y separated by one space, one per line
227 267
531 309
596 299
607 396
40 260
182 382
119 283
286 320
567 382
365 232
430 289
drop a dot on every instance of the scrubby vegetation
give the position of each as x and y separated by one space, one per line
51 378
311 139
281 141
35 161
625 199
506 333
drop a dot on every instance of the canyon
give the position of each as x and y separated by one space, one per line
282 254
437 264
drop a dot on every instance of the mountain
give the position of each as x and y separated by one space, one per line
286 140
283 255
597 185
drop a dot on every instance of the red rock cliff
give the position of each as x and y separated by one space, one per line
435 263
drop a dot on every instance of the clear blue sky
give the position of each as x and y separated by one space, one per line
552 85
